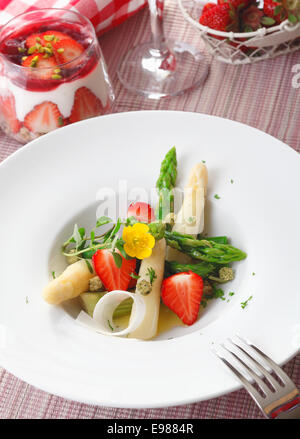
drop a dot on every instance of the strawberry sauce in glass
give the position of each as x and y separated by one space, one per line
52 73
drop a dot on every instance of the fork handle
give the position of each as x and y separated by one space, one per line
289 411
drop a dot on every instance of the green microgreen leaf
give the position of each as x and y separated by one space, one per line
118 259
89 266
292 18
103 220
134 276
152 275
267 21
244 304
217 197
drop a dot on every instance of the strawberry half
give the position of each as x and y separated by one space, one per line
143 212
33 39
86 105
41 68
57 36
67 50
8 109
43 118
112 277
182 293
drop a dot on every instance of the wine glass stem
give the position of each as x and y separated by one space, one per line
156 20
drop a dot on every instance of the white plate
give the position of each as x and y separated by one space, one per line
51 183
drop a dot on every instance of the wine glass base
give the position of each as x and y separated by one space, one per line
155 75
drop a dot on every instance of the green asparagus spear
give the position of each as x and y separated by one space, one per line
204 250
203 269
218 239
165 183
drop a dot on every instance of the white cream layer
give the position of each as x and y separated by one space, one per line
62 96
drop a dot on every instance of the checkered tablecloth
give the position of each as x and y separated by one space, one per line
104 14
264 96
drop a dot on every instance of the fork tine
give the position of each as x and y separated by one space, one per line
251 372
249 387
280 372
261 368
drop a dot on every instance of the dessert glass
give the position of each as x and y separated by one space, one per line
34 101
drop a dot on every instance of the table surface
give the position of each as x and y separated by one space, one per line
261 95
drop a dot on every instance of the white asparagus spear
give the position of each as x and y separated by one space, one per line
148 328
72 282
190 218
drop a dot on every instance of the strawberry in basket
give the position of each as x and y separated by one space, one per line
221 17
275 10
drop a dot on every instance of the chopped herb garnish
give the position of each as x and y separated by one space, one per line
203 161
231 293
253 274
26 299
134 276
109 324
53 274
231 181
31 50
49 37
244 304
151 274
217 197
60 50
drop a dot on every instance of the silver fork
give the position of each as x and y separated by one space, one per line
270 387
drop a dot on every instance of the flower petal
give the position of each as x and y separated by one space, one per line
150 241
143 253
127 233
130 249
140 228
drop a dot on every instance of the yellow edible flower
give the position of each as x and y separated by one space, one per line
138 241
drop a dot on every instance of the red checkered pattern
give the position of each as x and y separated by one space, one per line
262 96
104 14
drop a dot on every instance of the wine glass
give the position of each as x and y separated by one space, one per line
162 68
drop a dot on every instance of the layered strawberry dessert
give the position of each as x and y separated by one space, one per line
52 74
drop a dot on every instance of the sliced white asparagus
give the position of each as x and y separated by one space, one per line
71 283
148 288
190 218
102 320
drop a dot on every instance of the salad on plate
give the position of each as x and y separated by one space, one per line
142 275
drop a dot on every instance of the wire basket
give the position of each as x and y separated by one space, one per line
247 47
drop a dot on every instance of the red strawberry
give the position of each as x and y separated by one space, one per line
57 36
221 17
143 212
86 105
33 39
207 7
67 50
251 18
43 118
113 278
182 293
275 10
8 110
41 68
132 282
237 4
